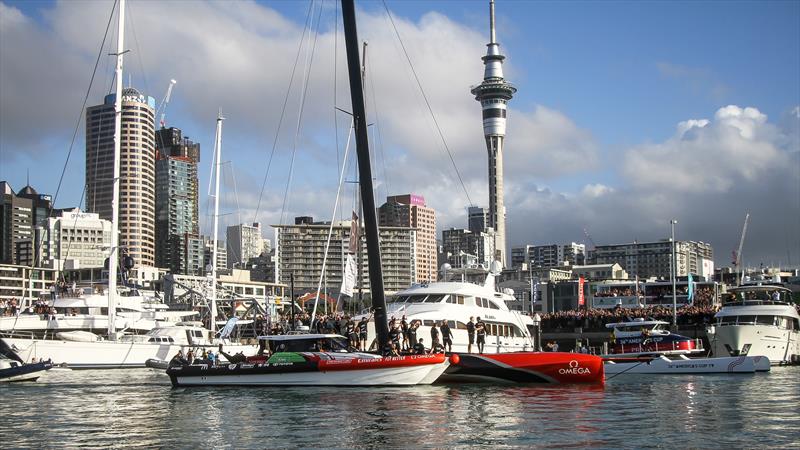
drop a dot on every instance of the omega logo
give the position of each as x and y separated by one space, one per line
574 369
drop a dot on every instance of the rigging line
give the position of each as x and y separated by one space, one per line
339 164
83 108
138 49
330 228
309 16
377 130
427 103
303 97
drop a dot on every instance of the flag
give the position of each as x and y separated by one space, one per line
228 328
691 288
354 231
581 299
349 276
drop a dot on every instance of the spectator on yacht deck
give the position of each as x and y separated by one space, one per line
480 334
419 348
447 336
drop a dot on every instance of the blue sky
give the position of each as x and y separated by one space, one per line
602 88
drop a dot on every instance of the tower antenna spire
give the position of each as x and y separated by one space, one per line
492 38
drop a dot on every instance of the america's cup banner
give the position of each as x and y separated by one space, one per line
581 282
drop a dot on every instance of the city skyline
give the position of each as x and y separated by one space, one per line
616 130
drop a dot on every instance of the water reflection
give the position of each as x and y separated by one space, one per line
139 408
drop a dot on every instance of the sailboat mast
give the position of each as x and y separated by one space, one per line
365 174
113 257
217 155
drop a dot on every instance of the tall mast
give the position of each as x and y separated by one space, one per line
365 174
113 257
217 155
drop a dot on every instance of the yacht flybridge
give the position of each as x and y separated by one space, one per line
758 320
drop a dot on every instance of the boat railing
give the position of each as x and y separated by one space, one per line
755 302
656 347
18 334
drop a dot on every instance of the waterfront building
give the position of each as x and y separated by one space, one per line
652 259
299 250
20 282
137 186
410 211
208 254
20 214
600 272
74 240
493 94
550 255
244 241
178 243
463 248
477 219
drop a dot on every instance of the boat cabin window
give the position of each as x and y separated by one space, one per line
416 298
328 344
461 326
435 298
428 322
765 320
727 320
747 320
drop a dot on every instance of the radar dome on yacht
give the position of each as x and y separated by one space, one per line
445 267
496 267
508 291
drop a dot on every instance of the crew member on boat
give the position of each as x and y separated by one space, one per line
447 336
480 334
470 334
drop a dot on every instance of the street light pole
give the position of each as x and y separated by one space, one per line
673 273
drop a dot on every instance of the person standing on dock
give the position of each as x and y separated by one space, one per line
480 334
470 334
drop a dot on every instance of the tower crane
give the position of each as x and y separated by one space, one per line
162 107
737 256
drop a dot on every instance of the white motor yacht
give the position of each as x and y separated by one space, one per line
80 350
757 320
456 302
85 310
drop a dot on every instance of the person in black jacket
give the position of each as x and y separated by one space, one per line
447 336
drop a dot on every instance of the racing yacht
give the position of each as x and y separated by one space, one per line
758 320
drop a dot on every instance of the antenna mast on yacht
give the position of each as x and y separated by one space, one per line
217 155
739 251
113 257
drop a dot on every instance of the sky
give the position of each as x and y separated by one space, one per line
627 114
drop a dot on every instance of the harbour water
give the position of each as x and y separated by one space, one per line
139 408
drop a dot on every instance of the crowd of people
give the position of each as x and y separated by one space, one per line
9 307
596 318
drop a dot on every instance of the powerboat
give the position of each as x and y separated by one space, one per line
12 371
457 302
315 360
757 320
83 350
681 364
649 337
88 311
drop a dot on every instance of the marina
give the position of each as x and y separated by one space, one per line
131 328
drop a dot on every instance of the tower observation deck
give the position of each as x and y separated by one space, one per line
494 93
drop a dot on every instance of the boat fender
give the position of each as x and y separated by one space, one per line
455 359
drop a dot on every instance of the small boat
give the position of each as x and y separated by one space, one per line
641 337
681 364
315 360
526 367
11 370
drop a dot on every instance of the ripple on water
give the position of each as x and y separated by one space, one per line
138 408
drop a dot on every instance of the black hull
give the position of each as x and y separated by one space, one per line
26 369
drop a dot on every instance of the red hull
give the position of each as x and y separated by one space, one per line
528 367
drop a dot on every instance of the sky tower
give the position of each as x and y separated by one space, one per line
494 93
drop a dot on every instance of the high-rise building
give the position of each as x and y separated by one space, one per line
463 248
178 243
494 93
477 219
652 259
410 211
20 214
208 254
137 184
74 240
243 242
548 256
299 250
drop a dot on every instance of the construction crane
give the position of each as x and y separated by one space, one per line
162 107
737 255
